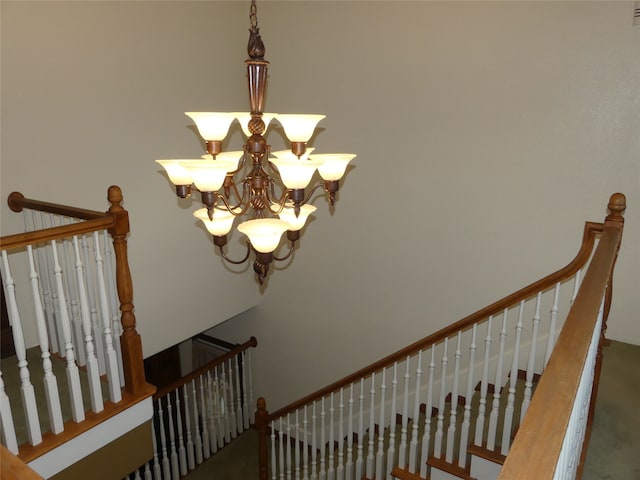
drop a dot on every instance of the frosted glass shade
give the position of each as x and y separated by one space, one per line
296 223
221 223
299 128
264 233
230 157
296 173
213 126
178 174
333 164
208 175
289 155
244 117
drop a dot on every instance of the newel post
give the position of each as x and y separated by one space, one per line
261 426
130 340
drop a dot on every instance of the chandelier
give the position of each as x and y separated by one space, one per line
269 189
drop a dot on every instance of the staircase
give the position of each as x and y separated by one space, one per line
432 410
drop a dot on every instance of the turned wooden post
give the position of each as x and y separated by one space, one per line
130 341
261 425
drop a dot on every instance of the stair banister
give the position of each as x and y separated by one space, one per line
536 447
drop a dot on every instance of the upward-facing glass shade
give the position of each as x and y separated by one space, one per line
213 126
264 233
178 174
289 155
299 128
208 175
296 223
231 157
296 173
221 223
333 164
244 117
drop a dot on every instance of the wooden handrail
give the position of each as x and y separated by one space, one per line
591 230
536 447
17 202
252 342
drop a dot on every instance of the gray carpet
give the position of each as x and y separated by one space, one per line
613 453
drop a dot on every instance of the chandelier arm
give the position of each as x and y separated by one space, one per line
235 262
232 209
280 202
289 253
313 190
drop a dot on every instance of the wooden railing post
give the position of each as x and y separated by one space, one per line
261 426
130 340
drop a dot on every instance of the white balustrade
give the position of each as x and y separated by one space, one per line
426 436
381 424
402 450
528 386
513 378
116 326
415 424
437 448
9 439
466 421
497 387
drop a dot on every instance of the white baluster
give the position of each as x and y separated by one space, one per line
305 445
323 441
332 448
359 456
245 396
466 421
402 451
426 436
220 408
437 446
227 409
147 472
551 339
495 407
49 381
182 453
191 462
340 469
111 361
281 464
233 417
372 426
453 413
210 422
72 291
175 470
166 466
116 326
43 269
413 447
349 463
73 377
26 388
157 471
576 285
296 449
513 378
8 429
528 385
250 377
93 370
238 389
273 449
196 424
391 449
314 443
206 446
381 426
483 387
93 310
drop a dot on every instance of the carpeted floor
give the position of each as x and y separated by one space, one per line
613 452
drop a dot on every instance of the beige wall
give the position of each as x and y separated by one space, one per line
486 134
92 94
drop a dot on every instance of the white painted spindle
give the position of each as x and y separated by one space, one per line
360 448
157 470
245 395
116 326
551 339
206 446
93 370
349 462
413 448
166 465
191 461
426 436
111 361
281 451
323 441
513 378
453 412
239 415
381 425
391 449
332 447
305 444
175 468
483 387
93 309
497 387
314 443
196 424
182 453
296 448
466 421
528 385
274 448
210 417
9 439
437 445
72 297
340 469
402 450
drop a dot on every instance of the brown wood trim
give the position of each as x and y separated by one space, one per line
451 468
403 474
483 452
252 342
50 441
537 445
17 202
12 468
591 230
21 240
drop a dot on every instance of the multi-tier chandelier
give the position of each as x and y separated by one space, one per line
227 192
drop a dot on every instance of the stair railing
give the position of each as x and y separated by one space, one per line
414 412
197 415
551 439
79 293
